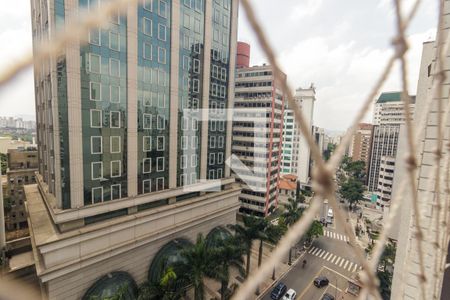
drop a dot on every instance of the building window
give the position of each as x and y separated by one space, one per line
114 119
97 195
183 161
194 124
195 85
161 55
212 142
159 183
162 9
219 173
161 77
160 145
212 158
96 145
147 118
188 3
194 160
220 158
196 25
220 142
147 51
115 144
146 165
160 164
161 122
114 67
147 26
116 191
96 118
186 20
114 92
162 32
193 177
147 98
196 64
95 91
161 100
94 37
183 179
147 185
199 5
96 170
148 5
94 63
114 41
146 143
211 174
116 168
184 142
194 142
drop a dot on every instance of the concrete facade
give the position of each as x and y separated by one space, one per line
257 138
361 144
406 281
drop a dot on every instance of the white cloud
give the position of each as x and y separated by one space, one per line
304 9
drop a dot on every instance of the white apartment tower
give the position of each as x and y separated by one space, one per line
296 151
388 116
257 137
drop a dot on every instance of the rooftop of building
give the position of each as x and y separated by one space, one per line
288 182
392 97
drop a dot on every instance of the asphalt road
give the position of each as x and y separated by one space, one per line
331 256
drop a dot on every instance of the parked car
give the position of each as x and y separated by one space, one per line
327 296
321 281
278 291
290 295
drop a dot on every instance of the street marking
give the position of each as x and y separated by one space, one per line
310 284
327 256
314 252
337 261
354 269
346 263
312 249
342 262
334 257
320 252
350 266
323 253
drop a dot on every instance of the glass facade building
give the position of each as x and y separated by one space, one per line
122 116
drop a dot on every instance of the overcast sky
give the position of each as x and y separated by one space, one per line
340 46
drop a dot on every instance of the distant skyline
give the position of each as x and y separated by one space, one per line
340 48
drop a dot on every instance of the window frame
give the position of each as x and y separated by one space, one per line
145 5
111 118
144 115
101 144
157 183
149 159
92 194
118 41
165 9
144 45
111 168
163 143
100 118
91 83
101 170
120 190
111 60
110 93
149 138
99 63
149 180
144 26
111 138
165 32
160 164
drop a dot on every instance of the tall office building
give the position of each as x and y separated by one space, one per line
124 145
434 217
296 151
257 137
361 144
388 116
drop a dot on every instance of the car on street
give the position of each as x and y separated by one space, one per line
290 295
278 291
321 281
327 296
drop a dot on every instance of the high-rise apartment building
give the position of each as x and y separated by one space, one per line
296 151
126 143
361 144
434 217
22 165
257 138
388 116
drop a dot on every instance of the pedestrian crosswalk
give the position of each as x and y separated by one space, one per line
334 259
334 235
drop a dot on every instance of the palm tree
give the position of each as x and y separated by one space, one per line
274 235
228 254
165 289
290 216
198 262
247 234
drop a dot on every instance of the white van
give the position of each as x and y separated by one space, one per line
330 213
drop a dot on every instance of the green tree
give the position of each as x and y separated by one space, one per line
290 216
197 263
3 163
314 231
228 254
352 190
356 169
165 289
247 234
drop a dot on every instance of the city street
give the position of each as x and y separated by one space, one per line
329 256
